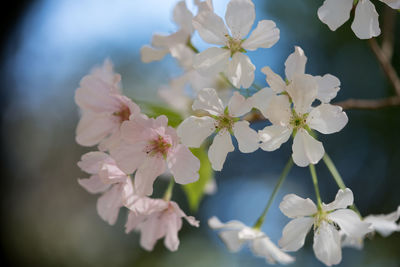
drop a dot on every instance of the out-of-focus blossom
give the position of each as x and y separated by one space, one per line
288 105
147 147
335 13
224 121
155 219
326 220
103 108
239 17
108 179
235 234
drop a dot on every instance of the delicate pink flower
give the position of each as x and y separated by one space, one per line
108 179
103 108
155 219
148 145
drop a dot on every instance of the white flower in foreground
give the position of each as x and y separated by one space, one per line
155 219
147 147
235 234
108 179
289 108
239 17
162 44
224 121
335 13
327 221
103 108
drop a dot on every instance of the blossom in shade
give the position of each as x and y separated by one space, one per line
161 45
155 219
103 108
288 105
224 121
235 234
148 147
327 221
108 179
239 17
335 13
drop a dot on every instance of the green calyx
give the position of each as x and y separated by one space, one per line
298 121
234 45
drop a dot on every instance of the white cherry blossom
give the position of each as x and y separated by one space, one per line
108 179
224 121
327 220
155 219
235 234
239 17
385 224
148 147
288 105
103 108
335 13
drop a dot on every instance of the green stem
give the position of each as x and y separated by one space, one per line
315 182
168 192
338 178
282 178
191 46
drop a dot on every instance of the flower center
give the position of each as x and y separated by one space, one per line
159 146
124 113
235 45
224 122
298 121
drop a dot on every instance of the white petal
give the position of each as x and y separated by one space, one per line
327 118
238 106
211 61
94 127
92 162
395 4
264 36
294 206
109 203
327 244
278 111
385 224
183 164
247 137
274 80
231 240
248 233
328 86
240 71
221 146
366 24
215 224
306 149
168 41
261 99
129 157
239 17
343 199
294 233
208 100
303 90
151 168
350 223
193 130
211 28
151 231
335 12
183 17
348 241
263 247
149 54
204 5
272 137
295 64
172 224
94 184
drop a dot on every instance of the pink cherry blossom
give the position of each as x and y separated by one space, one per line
155 219
103 108
108 179
148 147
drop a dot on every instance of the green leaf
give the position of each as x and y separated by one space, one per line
195 191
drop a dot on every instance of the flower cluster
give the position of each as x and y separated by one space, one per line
134 148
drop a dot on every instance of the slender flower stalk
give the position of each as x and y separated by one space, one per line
315 182
168 192
282 178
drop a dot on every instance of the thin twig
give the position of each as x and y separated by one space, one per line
369 103
388 27
387 67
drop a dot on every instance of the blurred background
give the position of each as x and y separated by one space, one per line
49 220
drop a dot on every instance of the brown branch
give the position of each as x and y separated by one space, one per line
369 103
388 27
387 67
